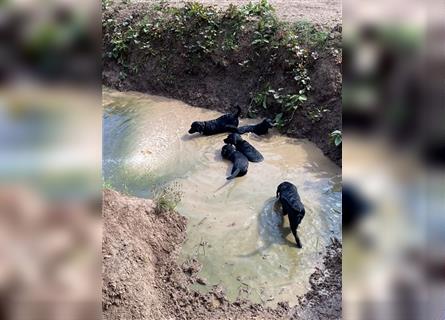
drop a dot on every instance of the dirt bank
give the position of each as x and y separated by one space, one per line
216 58
142 280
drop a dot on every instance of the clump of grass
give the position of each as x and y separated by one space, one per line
310 35
315 114
167 198
107 185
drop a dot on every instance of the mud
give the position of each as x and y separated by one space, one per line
219 80
142 280
145 140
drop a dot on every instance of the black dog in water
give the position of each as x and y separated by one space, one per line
244 147
259 129
240 162
292 206
226 123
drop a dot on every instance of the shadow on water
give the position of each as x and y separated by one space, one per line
271 229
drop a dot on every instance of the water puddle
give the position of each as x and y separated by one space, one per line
235 228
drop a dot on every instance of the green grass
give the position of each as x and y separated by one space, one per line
167 198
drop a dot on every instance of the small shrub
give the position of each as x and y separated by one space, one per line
107 185
310 36
336 137
279 121
167 198
315 114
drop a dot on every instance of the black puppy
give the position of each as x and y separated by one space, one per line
292 206
240 162
226 123
244 147
259 129
355 207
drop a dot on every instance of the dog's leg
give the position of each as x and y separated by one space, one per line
234 174
293 227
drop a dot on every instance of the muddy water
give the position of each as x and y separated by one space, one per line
235 229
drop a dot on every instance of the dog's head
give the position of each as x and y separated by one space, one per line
233 138
196 126
227 150
283 186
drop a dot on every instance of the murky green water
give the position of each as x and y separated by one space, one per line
235 228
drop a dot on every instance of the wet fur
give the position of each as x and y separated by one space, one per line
240 162
226 123
292 207
259 129
252 154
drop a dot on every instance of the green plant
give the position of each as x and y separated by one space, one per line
259 99
107 185
279 121
168 197
310 35
336 137
315 114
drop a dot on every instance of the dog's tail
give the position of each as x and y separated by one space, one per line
238 110
232 129
242 130
234 174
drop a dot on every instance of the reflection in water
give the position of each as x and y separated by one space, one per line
247 242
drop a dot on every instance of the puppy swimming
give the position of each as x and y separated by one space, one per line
240 162
226 123
252 154
292 207
259 129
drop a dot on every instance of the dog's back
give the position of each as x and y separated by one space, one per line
290 198
292 206
259 128
227 122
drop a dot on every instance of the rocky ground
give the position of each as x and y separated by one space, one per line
142 279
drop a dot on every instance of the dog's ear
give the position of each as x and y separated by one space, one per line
278 194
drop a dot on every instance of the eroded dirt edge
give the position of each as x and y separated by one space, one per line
143 280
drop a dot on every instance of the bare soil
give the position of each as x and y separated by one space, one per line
320 12
142 279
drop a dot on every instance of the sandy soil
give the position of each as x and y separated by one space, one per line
141 279
322 12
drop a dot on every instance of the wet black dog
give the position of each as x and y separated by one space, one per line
355 207
226 123
244 147
292 206
259 129
240 162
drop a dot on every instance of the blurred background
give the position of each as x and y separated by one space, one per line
393 160
50 153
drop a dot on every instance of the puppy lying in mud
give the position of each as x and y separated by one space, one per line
226 123
240 162
292 207
244 147
259 129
